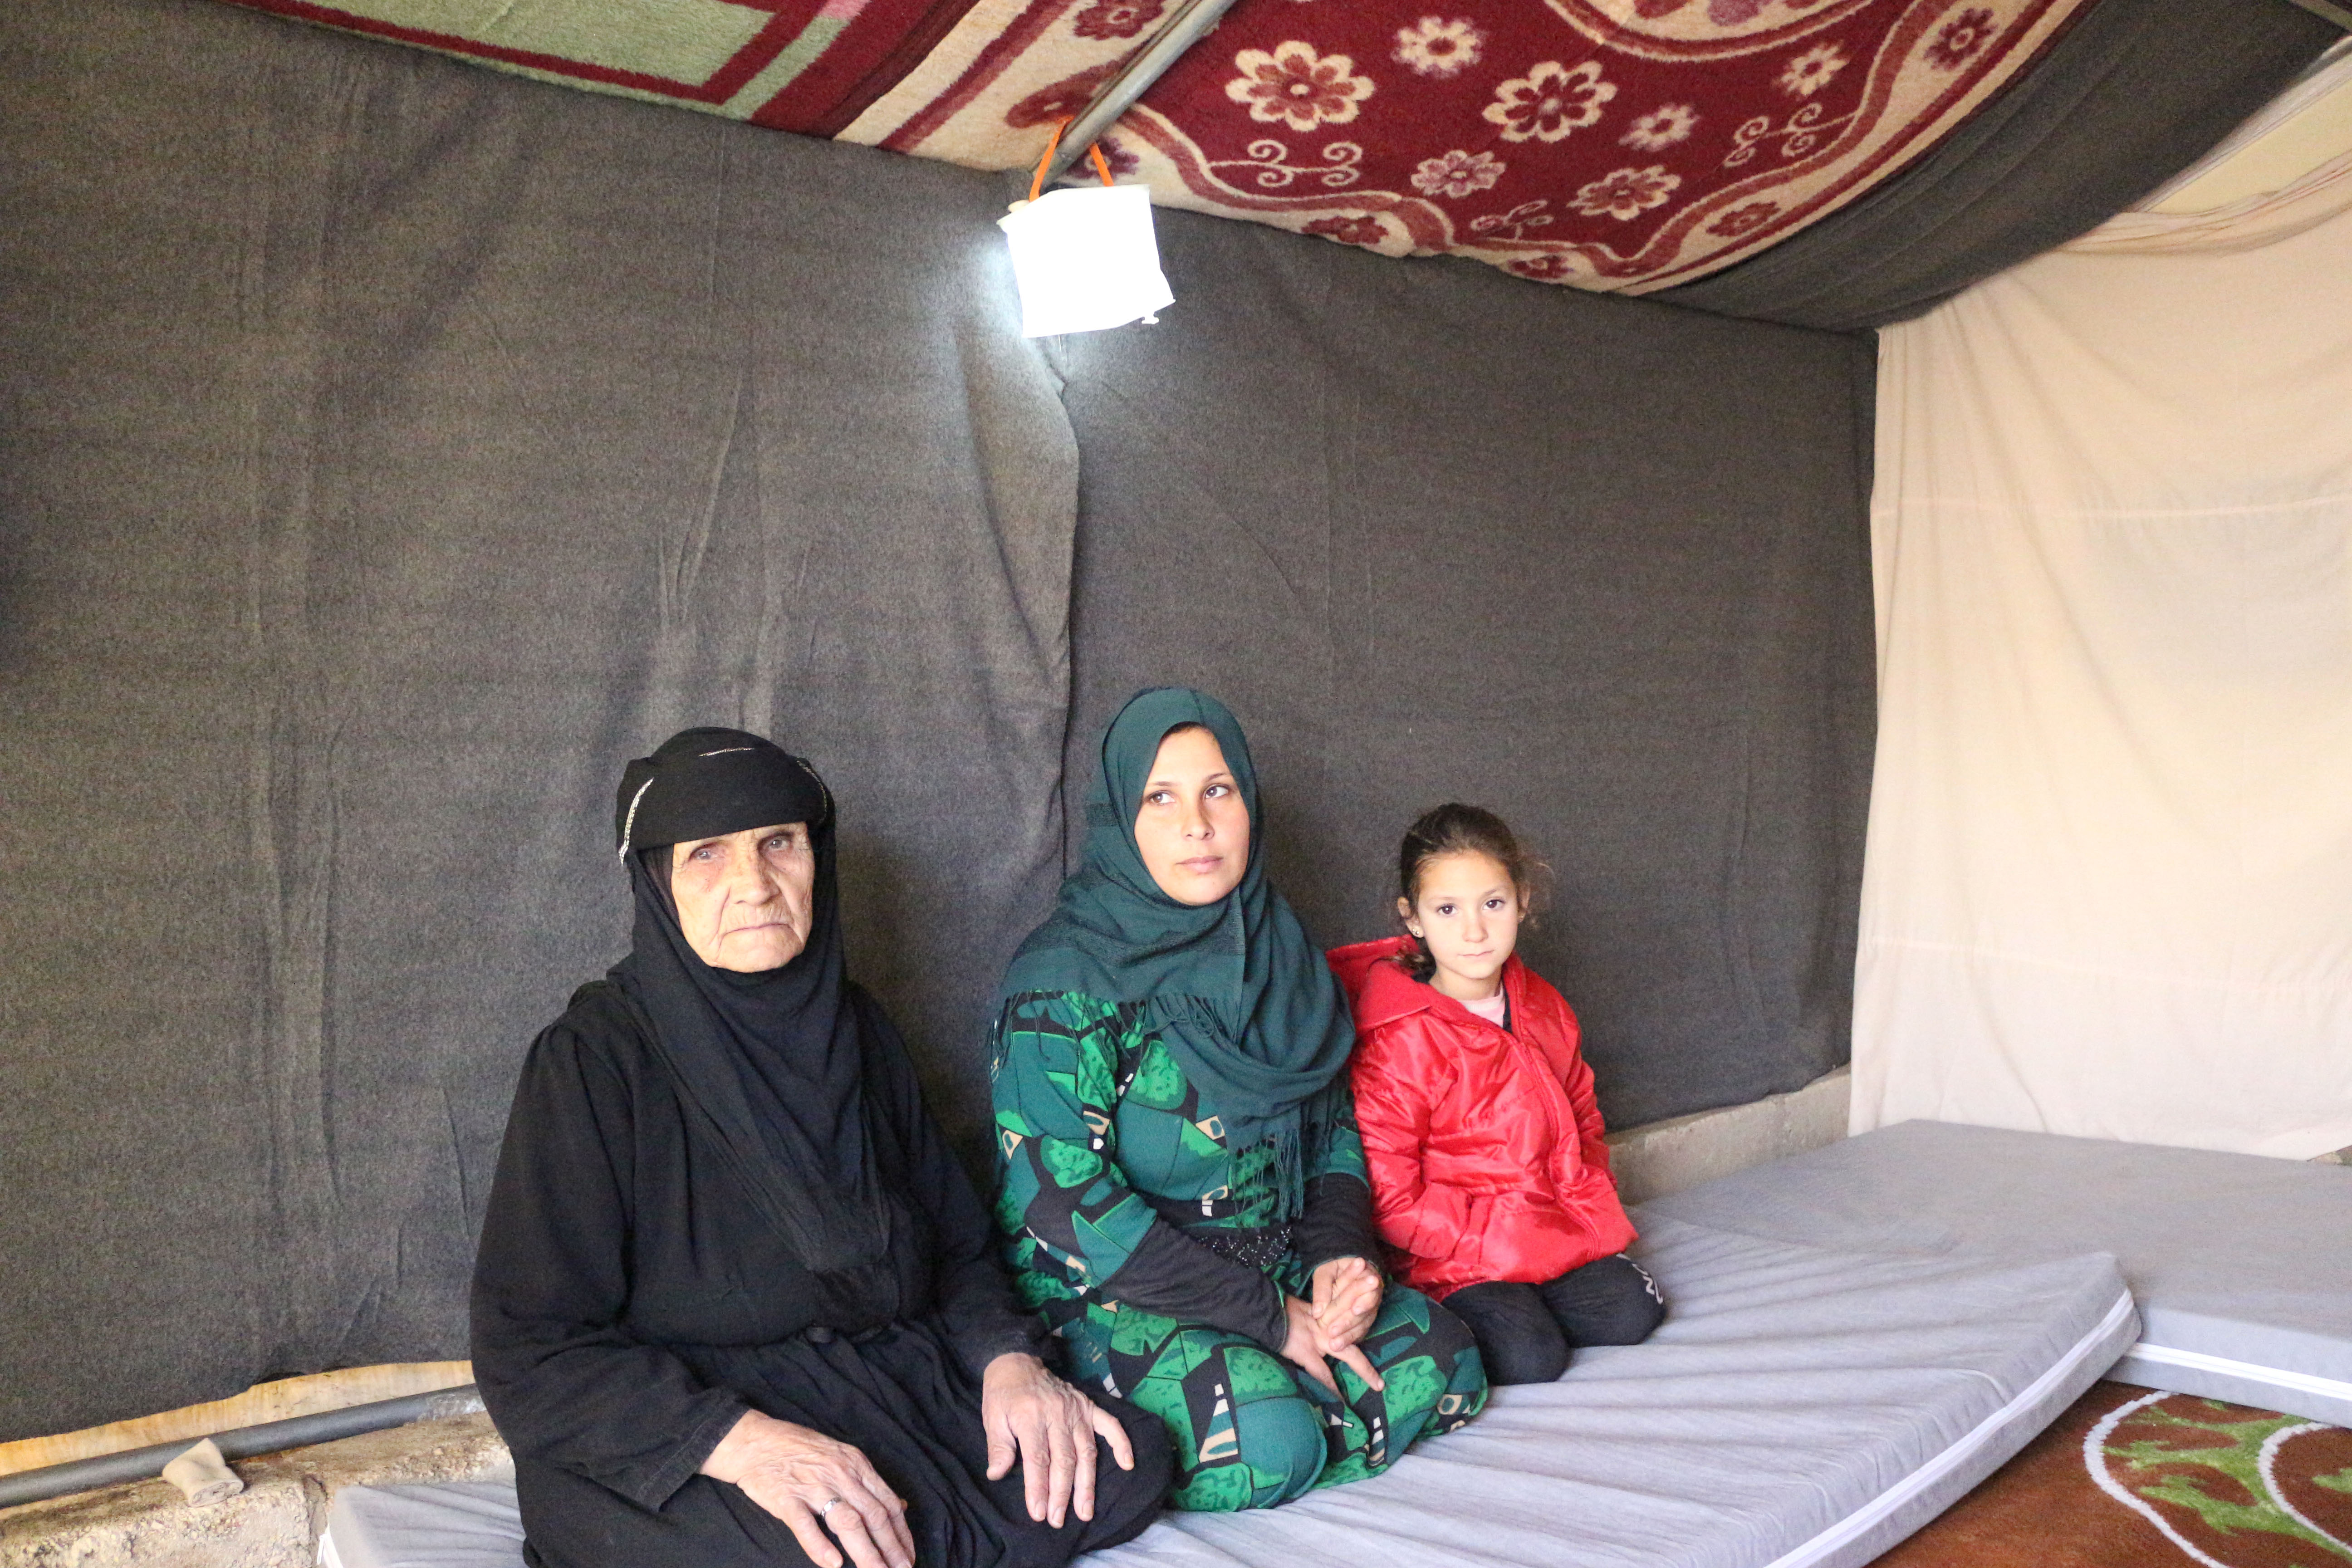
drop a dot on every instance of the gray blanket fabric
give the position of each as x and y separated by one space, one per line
2242 1266
452 1524
1599 565
392 450
389 449
1802 1407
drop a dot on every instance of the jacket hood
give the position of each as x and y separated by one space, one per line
1381 991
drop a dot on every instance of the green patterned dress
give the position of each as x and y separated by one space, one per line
1151 1247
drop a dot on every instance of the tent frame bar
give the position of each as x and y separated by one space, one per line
1193 19
239 1443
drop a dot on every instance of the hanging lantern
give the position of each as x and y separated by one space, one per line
1085 259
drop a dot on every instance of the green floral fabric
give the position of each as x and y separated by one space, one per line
1248 1428
1095 1118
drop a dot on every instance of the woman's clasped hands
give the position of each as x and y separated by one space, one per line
1346 1297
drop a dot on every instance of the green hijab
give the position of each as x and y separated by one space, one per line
1235 990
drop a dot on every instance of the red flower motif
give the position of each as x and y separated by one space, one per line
1296 86
1434 47
1963 35
1458 174
1060 99
1550 102
1626 193
1117 18
1351 230
1813 70
1544 268
1744 220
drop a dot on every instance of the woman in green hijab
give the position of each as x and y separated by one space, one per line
1181 1178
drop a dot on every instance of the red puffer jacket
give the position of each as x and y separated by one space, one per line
1485 1144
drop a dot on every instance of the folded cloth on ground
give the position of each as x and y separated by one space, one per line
1801 1408
2241 1265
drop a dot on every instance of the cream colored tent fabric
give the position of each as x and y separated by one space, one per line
2287 169
2109 879
2247 223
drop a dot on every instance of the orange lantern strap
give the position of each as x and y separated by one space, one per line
1037 181
1094 151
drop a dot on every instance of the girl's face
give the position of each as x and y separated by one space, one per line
1467 911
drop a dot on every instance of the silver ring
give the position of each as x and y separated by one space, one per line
830 1504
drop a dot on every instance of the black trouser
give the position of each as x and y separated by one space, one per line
1525 1333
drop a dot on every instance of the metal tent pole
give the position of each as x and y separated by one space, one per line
237 1443
1118 95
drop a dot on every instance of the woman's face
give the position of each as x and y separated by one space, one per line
1192 829
744 898
1467 910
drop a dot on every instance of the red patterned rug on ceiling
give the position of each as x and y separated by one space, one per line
809 65
1614 144
1622 145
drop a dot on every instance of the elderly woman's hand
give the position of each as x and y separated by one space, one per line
1050 1428
814 1484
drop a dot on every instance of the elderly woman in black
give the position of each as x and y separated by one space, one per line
736 1302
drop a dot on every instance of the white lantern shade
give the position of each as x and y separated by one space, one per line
1086 259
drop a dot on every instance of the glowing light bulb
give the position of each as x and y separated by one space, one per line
1086 259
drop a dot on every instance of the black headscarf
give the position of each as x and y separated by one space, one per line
769 1062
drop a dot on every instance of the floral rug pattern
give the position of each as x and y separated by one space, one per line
2248 1489
1610 145
2134 1479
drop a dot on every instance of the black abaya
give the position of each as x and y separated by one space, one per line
631 1302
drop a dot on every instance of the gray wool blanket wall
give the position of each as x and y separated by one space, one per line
389 449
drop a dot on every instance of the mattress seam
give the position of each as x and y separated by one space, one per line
2253 1371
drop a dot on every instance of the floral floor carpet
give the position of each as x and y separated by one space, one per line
2130 1478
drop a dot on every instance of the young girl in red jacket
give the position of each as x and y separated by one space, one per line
1489 1177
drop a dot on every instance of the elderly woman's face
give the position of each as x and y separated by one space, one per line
744 899
1192 830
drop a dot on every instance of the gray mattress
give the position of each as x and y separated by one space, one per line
2242 1266
444 1524
1802 1407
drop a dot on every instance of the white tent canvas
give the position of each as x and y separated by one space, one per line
2109 879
